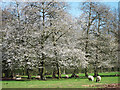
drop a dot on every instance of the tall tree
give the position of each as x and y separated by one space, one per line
96 22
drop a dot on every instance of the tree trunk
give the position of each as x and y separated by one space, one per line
42 45
7 73
87 38
42 70
96 66
39 71
86 72
74 71
58 69
53 74
95 72
23 72
12 74
28 73
73 75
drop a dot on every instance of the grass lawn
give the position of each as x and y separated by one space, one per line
82 74
54 83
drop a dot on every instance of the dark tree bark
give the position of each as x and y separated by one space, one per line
95 72
28 73
42 42
86 72
7 73
53 74
86 46
42 74
58 69
12 74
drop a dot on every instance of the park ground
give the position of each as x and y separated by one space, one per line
106 82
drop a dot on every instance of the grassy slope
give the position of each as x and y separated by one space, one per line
54 83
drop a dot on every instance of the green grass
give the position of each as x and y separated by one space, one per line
62 83
82 74
54 83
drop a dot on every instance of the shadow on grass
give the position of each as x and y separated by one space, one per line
50 78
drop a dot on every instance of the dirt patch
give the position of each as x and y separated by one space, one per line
86 85
114 85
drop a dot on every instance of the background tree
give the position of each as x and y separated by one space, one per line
97 24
